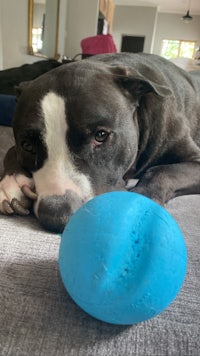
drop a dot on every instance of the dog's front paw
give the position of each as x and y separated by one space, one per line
148 193
16 194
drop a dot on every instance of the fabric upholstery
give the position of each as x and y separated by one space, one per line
7 107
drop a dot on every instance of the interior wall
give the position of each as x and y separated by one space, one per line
134 21
14 22
62 28
39 10
170 26
50 28
14 33
82 17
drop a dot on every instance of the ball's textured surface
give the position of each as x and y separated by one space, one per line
122 258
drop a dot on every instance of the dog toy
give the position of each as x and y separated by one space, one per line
122 258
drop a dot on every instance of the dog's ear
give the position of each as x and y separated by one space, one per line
138 84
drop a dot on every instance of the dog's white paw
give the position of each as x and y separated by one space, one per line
16 194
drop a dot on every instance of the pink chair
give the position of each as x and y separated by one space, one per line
97 45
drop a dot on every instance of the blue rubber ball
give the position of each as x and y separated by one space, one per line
122 258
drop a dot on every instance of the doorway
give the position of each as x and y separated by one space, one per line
132 44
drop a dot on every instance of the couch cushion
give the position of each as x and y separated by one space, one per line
37 316
7 107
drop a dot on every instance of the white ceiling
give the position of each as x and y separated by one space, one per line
171 6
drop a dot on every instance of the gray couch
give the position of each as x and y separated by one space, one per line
37 316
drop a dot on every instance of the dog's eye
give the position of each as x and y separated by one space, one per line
101 135
27 146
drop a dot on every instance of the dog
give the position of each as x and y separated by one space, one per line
88 127
11 77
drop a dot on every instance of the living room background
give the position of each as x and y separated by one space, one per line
78 19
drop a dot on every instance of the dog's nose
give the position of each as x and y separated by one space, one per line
54 211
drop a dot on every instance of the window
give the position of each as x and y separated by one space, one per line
37 39
178 48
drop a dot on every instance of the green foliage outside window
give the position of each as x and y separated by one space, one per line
177 48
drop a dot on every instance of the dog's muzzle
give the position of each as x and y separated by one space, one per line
54 211
59 196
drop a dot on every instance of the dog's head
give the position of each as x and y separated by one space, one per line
76 131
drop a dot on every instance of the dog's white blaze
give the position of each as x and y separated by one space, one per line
58 173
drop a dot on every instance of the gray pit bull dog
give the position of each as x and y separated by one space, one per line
88 127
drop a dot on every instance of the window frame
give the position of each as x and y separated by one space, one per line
180 42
